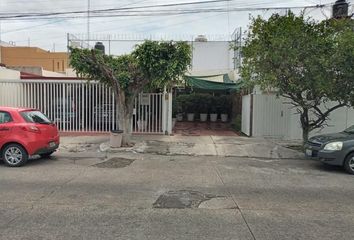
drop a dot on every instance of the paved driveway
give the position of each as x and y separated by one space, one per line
142 196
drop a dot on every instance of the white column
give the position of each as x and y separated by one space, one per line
169 114
164 111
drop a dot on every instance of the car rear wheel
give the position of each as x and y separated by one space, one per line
14 155
349 163
46 155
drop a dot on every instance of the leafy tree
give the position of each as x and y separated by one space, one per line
151 64
307 62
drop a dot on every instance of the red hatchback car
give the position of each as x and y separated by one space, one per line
25 132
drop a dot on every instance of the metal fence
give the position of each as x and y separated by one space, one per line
79 106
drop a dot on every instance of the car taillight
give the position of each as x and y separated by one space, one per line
33 129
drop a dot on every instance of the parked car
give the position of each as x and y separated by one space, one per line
25 132
333 149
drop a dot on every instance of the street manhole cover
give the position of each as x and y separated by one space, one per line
182 199
115 163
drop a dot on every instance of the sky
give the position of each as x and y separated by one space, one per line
51 34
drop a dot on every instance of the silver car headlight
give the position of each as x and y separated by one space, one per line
334 146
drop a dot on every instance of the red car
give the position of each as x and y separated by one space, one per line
25 132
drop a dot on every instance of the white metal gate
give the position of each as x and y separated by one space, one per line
265 115
79 106
246 115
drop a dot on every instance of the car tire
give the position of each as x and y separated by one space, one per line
46 155
14 155
349 163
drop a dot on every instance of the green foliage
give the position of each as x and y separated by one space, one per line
181 101
164 62
152 63
224 104
288 53
237 123
305 61
203 103
187 103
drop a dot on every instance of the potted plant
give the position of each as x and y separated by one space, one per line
213 110
203 107
189 106
177 108
224 107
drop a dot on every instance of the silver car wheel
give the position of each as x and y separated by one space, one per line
351 163
13 155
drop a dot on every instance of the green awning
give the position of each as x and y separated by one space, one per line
205 84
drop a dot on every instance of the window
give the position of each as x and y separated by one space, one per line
35 117
5 117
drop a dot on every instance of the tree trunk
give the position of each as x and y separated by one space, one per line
305 135
304 118
125 113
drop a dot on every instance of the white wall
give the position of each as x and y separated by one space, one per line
340 119
11 94
246 115
211 56
273 117
270 116
9 74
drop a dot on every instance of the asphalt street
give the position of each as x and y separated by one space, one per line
91 195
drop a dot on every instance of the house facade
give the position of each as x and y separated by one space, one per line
14 56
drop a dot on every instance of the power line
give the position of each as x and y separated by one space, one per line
166 12
119 8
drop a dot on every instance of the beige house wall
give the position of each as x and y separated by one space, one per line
33 56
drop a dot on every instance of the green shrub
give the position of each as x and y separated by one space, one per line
203 103
193 103
224 104
213 104
237 123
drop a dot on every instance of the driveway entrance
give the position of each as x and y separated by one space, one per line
204 129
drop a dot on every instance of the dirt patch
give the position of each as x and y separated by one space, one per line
182 199
164 148
78 148
115 163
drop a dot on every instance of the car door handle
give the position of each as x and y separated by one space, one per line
4 129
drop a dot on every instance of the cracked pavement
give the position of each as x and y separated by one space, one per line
68 197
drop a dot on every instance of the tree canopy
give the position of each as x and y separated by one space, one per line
306 61
152 64
155 63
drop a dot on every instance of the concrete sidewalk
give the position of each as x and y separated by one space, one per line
228 146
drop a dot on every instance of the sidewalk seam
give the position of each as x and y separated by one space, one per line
216 149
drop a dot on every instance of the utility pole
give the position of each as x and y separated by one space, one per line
88 23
